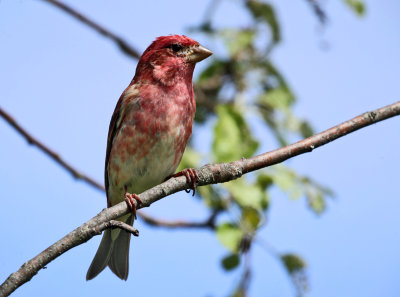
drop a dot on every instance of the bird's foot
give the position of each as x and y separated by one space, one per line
191 177
130 200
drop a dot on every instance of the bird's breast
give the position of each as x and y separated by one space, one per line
149 145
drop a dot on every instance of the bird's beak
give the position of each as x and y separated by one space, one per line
198 53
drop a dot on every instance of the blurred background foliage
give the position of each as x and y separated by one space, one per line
241 86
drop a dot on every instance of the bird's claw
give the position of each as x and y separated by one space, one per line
130 201
191 177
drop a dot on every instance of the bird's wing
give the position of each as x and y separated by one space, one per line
117 118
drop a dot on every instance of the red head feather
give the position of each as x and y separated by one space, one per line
159 60
166 41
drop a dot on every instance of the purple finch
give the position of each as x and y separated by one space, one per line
148 133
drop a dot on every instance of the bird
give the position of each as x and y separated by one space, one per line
149 130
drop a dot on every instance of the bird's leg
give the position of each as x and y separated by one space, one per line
191 177
130 201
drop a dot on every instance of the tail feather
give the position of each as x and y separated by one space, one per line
119 260
114 253
102 256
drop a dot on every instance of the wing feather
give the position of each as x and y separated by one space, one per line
117 118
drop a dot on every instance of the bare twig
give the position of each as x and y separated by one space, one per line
208 223
319 12
273 252
52 154
113 224
208 174
210 11
123 45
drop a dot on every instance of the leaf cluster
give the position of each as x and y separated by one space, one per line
241 91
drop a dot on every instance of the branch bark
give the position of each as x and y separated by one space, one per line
113 224
208 174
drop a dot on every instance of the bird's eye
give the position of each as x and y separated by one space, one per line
176 47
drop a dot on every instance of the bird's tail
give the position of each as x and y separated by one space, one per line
114 252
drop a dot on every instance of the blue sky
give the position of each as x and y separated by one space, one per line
61 81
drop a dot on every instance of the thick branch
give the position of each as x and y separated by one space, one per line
52 154
208 174
315 141
122 44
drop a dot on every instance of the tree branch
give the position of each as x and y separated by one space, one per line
122 44
52 154
208 223
315 141
208 174
113 224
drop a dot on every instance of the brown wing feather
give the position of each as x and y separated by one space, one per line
116 119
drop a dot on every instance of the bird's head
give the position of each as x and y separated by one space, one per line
171 58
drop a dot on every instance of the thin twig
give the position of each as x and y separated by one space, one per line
273 252
208 223
122 44
210 11
319 12
113 224
208 174
52 154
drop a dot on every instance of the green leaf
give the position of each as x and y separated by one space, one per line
296 267
231 261
211 197
230 236
190 159
264 180
240 292
287 181
216 68
357 6
232 137
207 89
316 195
278 98
305 129
296 185
293 263
265 12
276 76
250 220
316 201
248 195
238 41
